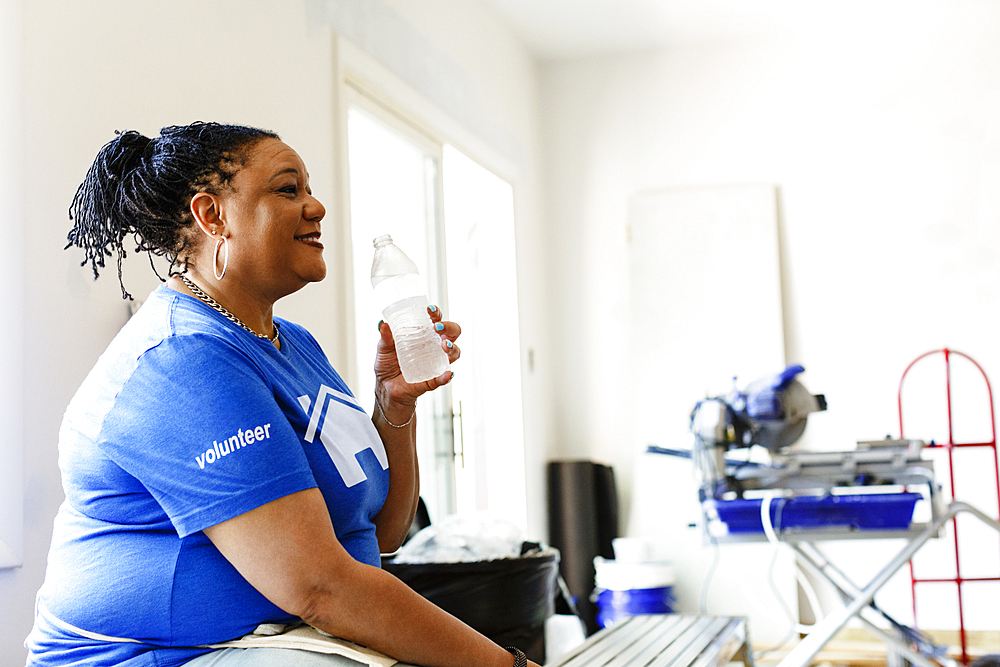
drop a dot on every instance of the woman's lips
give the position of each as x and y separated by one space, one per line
310 240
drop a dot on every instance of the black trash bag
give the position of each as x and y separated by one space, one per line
508 599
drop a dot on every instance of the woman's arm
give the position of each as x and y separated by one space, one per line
396 401
287 550
392 523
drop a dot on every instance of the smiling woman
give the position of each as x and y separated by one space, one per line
170 541
269 220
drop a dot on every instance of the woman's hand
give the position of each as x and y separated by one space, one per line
397 396
395 405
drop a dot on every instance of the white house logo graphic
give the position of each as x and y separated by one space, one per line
343 432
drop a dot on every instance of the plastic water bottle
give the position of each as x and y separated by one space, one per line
400 292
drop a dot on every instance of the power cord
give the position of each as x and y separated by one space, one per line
772 537
707 581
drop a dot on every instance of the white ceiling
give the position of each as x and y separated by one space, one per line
561 29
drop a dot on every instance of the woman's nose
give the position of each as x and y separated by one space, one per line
314 209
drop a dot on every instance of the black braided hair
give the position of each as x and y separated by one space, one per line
143 187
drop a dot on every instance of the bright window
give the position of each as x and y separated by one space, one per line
393 191
455 220
482 290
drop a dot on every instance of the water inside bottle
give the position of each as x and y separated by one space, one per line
418 346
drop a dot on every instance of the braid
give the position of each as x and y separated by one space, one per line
98 228
143 187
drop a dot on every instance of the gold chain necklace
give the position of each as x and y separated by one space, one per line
219 308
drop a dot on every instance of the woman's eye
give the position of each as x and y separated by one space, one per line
289 189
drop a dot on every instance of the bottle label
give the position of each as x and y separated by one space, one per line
411 311
392 289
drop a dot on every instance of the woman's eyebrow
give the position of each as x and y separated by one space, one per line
290 170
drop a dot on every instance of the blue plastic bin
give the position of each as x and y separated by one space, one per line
614 606
876 511
625 588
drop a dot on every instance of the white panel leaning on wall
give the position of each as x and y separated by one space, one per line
706 306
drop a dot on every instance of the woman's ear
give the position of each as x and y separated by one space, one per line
205 210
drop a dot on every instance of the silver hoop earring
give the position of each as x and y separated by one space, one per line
215 261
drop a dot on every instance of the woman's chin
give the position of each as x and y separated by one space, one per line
316 273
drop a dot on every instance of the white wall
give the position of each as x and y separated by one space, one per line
90 68
882 132
11 297
883 137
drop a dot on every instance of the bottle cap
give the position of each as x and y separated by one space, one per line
380 241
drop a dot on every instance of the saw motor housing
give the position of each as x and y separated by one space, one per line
770 412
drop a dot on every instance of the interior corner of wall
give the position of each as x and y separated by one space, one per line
12 516
9 557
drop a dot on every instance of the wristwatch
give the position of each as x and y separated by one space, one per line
520 659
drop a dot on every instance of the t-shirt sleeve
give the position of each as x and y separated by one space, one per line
198 425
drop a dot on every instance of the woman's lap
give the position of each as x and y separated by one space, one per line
269 657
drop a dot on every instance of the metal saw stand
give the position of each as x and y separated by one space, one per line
858 600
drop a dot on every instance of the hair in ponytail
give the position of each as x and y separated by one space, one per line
143 187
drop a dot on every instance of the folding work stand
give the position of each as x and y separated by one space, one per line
857 600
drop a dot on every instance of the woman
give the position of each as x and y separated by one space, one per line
218 472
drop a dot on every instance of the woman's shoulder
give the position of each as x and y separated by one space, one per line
299 336
295 330
170 325
178 322
182 318
183 314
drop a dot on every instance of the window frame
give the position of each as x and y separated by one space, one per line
435 417
360 78
356 71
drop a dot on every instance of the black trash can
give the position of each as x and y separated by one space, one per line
507 599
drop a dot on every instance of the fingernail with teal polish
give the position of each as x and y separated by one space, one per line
433 308
438 326
449 344
380 324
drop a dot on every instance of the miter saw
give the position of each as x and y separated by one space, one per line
754 486
743 456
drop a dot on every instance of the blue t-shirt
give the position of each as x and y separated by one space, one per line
186 421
